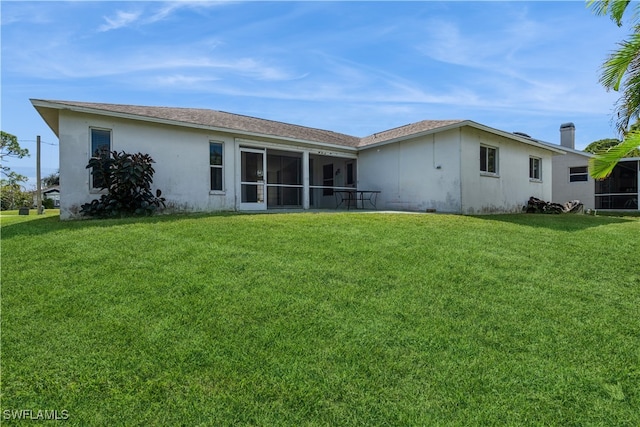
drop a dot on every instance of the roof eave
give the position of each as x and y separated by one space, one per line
566 150
48 113
528 141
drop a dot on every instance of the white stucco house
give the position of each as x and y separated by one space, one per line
209 160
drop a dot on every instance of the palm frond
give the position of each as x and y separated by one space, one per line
620 62
628 106
621 72
603 163
614 8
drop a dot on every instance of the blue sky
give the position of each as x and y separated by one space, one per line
352 67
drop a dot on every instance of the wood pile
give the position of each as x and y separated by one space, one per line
535 205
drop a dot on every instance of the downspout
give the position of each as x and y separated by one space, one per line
433 152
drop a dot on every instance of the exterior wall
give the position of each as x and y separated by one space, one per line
419 174
433 172
508 190
563 189
181 156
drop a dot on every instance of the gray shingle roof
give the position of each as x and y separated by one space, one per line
241 123
406 130
221 119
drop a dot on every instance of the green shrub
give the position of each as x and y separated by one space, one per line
127 178
47 203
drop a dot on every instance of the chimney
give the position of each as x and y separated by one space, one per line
568 135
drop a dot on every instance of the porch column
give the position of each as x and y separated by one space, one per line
305 180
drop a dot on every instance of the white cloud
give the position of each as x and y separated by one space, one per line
121 19
24 13
167 9
193 64
183 81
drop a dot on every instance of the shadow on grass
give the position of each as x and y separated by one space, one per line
52 224
562 222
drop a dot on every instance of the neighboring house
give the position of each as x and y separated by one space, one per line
52 193
210 160
571 179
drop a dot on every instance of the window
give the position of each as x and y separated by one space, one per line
578 174
215 166
100 147
535 168
488 160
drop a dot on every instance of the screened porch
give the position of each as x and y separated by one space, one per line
281 179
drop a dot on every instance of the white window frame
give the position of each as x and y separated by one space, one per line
579 174
496 157
93 189
220 166
532 169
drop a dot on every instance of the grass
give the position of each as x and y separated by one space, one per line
323 319
13 217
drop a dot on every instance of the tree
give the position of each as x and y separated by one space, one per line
9 147
606 144
12 194
51 180
620 72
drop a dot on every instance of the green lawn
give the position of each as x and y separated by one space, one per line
323 319
12 217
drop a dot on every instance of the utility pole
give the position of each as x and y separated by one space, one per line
39 185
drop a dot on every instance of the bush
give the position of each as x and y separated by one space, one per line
127 178
47 203
13 197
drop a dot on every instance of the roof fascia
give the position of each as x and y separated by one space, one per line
512 136
567 150
96 111
472 124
